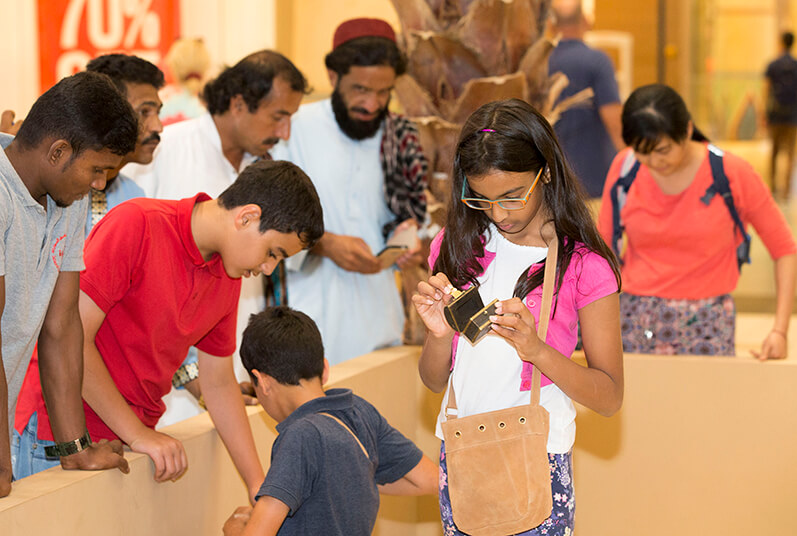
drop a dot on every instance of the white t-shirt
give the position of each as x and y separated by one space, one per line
486 376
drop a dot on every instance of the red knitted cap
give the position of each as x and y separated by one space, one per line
354 28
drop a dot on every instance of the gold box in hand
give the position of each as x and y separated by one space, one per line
468 315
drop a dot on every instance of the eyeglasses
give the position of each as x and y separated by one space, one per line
507 203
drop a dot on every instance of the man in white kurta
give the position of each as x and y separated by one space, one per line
370 174
206 154
356 313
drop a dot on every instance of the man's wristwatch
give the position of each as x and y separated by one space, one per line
68 447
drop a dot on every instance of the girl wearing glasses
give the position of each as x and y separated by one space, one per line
511 186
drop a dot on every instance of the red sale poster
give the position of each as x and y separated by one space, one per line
71 32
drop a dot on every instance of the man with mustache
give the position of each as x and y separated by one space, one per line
75 133
249 109
138 81
370 172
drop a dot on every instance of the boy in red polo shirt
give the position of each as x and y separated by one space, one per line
160 277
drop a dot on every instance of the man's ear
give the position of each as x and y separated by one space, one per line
333 78
59 152
325 374
247 215
238 105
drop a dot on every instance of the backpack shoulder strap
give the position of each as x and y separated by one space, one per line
721 186
619 193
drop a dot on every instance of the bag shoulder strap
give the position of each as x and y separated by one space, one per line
721 186
619 193
348 430
542 326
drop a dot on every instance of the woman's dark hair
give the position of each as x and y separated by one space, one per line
519 140
286 196
283 343
653 112
366 52
252 78
125 69
87 111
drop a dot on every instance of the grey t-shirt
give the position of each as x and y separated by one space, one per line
36 246
320 472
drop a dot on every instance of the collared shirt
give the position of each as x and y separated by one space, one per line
356 313
120 190
315 462
159 297
37 245
189 160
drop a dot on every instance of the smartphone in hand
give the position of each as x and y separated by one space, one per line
390 254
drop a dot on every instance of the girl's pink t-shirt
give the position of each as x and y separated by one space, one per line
589 277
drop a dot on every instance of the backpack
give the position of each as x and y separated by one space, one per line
719 185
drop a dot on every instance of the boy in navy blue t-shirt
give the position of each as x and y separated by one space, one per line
334 453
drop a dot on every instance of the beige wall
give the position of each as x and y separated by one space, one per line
702 446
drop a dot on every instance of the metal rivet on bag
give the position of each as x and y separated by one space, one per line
501 425
522 420
481 428
457 433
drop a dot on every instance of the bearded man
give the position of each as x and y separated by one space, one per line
370 173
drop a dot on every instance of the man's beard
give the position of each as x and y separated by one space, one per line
355 128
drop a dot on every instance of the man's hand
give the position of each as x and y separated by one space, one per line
101 455
349 252
166 453
7 123
248 392
236 523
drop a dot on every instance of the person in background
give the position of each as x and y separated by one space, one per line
74 135
590 135
682 253
780 94
334 453
371 174
188 60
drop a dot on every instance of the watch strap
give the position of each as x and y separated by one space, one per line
68 448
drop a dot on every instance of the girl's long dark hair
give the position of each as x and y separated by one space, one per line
519 139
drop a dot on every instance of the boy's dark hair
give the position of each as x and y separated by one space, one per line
366 52
252 78
124 69
788 40
286 196
283 343
87 111
652 113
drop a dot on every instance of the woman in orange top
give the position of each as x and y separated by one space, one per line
680 262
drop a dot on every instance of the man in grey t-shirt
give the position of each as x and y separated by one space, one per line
74 134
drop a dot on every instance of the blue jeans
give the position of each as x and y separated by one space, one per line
27 451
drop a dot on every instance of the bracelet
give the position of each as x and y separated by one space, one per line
68 448
779 332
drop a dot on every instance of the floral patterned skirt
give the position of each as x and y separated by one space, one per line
564 502
652 325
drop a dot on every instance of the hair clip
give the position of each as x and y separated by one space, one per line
487 130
